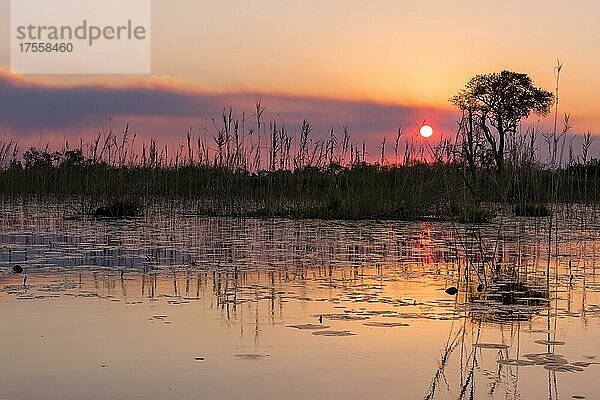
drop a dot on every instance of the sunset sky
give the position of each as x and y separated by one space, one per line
370 65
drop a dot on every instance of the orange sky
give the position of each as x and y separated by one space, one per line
393 52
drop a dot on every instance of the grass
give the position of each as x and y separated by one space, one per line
471 214
531 210
250 168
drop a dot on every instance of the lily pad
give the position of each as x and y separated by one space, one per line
385 324
497 346
308 326
550 342
563 368
333 333
250 356
516 363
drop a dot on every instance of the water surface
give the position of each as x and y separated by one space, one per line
218 308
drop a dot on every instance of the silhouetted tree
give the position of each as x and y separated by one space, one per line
495 104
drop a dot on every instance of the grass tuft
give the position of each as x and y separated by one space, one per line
120 208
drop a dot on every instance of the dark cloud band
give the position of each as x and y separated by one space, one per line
29 107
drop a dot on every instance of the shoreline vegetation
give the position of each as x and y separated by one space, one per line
244 166
330 180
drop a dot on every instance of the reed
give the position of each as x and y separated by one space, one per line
240 166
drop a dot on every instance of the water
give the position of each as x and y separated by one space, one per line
217 308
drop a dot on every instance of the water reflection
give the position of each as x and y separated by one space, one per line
364 299
478 377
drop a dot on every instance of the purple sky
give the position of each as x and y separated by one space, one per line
31 111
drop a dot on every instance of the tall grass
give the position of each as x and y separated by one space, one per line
240 165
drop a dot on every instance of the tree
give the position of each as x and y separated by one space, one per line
496 103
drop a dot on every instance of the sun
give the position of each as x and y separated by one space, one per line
426 131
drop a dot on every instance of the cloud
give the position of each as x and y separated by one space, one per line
29 107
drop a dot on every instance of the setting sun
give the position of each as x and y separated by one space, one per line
426 131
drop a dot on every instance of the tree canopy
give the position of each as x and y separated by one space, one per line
496 103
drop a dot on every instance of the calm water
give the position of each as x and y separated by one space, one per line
216 308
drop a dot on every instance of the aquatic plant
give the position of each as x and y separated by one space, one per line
242 167
531 210
120 208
